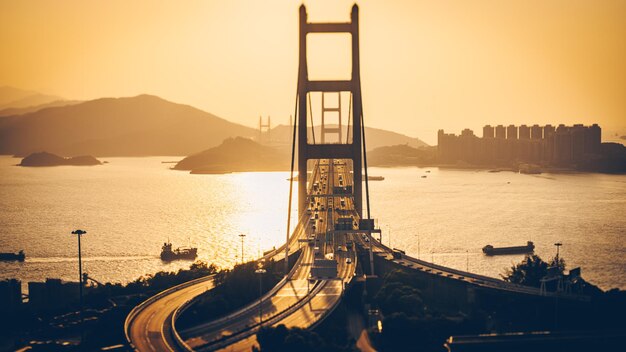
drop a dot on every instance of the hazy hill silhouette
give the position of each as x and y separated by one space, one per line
375 137
237 154
402 155
136 126
22 111
11 97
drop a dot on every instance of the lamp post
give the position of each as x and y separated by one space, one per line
558 246
242 237
79 233
260 271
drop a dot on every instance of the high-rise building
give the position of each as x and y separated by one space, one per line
593 139
511 132
536 132
500 132
524 132
548 143
563 146
488 131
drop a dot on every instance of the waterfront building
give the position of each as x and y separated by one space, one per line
53 293
561 146
10 295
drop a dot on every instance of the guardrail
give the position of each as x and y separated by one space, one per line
141 306
247 308
318 286
179 310
482 280
249 330
328 312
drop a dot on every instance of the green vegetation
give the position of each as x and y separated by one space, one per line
530 271
148 284
234 289
402 155
409 324
399 293
282 339
106 308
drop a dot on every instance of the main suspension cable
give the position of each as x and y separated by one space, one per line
349 119
293 156
367 188
311 114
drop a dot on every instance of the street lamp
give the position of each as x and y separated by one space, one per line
558 245
242 237
260 271
78 233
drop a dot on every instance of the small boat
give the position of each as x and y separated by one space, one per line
169 254
375 178
491 250
19 256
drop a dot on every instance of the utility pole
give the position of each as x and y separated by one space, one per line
260 271
242 237
79 233
558 246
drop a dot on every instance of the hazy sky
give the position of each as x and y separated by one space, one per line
425 65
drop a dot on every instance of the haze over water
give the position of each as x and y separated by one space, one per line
130 206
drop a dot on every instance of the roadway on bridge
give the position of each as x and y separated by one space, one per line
150 329
298 302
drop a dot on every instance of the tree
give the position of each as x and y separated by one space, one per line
530 271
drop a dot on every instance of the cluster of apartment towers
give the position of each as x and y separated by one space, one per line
541 145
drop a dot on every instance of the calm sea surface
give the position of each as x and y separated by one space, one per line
130 206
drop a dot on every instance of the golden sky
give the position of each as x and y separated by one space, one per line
425 65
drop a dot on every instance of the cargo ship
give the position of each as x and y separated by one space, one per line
19 256
169 254
491 250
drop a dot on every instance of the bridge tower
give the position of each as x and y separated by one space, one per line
265 130
353 150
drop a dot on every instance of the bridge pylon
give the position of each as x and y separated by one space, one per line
349 150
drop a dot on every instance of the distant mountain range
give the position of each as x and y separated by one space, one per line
138 126
135 126
11 97
22 111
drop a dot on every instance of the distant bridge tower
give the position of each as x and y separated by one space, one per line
335 111
265 130
353 150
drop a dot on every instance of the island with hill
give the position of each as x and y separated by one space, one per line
236 155
49 159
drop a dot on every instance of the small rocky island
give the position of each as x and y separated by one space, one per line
49 159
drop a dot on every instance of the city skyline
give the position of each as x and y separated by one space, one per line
443 65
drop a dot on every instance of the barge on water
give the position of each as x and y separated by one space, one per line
19 256
169 254
491 250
